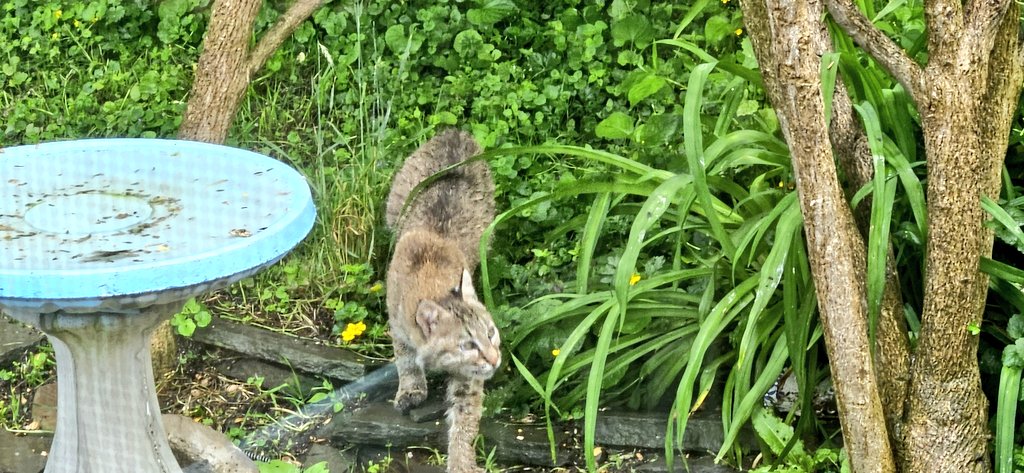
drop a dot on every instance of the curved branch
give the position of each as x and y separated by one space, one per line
984 18
291 19
986 14
892 349
879 46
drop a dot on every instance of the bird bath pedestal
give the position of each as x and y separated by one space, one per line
101 240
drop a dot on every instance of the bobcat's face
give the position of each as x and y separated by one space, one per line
477 353
461 336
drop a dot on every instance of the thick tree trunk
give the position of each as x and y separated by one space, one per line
973 78
222 74
964 163
228 63
789 39
225 68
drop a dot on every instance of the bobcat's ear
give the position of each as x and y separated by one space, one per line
428 316
466 287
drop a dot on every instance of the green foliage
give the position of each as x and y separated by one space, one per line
1007 220
19 379
731 238
777 436
279 466
96 68
193 315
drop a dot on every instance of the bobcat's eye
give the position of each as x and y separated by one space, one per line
468 345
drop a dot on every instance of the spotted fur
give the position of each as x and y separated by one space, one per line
437 321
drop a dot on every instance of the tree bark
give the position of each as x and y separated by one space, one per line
892 347
225 68
228 63
972 78
789 39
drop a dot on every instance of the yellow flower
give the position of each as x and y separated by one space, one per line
55 36
555 352
352 331
376 287
724 2
738 31
635 278
57 14
77 23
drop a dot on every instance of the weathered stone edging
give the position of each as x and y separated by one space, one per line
525 444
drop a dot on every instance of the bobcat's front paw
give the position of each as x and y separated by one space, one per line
406 400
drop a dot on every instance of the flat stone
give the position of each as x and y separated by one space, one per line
23 454
704 431
431 409
15 339
526 444
299 354
381 424
203 449
44 406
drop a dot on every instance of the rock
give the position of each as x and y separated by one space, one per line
378 385
44 406
431 409
302 355
647 430
381 424
526 444
203 449
15 339
23 454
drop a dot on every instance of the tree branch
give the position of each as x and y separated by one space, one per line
892 348
291 19
985 15
879 46
788 46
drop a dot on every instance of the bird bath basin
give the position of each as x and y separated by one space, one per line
101 240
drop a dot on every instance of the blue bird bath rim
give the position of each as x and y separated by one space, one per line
110 223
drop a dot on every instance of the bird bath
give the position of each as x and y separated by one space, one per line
101 240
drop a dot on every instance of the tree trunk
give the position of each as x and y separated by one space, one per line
965 96
227 64
222 74
225 68
789 39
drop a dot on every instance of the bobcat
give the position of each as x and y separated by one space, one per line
437 322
